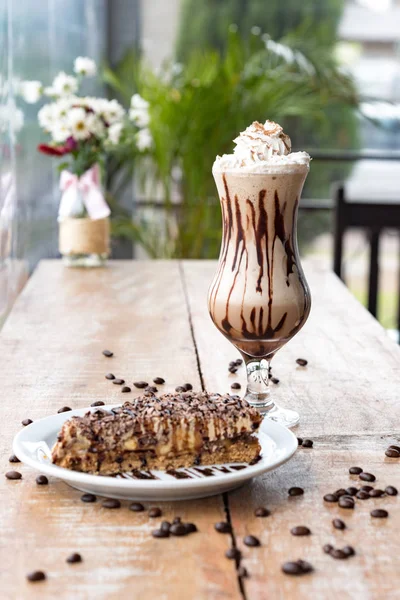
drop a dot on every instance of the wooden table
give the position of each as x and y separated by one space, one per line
153 316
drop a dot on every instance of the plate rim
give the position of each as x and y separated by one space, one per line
113 483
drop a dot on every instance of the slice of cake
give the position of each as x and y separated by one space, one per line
160 432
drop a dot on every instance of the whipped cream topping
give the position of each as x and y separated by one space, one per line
261 148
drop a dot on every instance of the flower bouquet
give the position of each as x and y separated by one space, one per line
84 131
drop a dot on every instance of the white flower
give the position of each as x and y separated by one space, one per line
62 107
113 111
64 85
94 124
77 120
140 118
138 102
31 91
85 66
46 116
114 133
144 141
60 132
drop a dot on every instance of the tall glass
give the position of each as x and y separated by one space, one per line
259 298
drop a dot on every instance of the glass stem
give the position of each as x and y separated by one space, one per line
258 391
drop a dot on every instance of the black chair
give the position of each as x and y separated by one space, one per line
374 217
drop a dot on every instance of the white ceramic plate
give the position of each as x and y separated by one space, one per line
33 443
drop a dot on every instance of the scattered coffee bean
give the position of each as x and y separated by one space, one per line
160 533
42 480
136 507
126 389
180 388
308 444
300 530
275 380
251 540
340 492
379 513
395 447
262 512
26 422
300 441
190 527
13 459
233 554
348 550
151 388
346 502
376 493
242 572
296 491
108 353
155 512
302 362
88 498
337 553
391 490
64 409
178 529
239 361
74 558
366 488
111 503
188 386
176 520
392 453
362 495
327 548
351 491
339 524
110 376
236 386
13 475
36 576
367 477
98 403
158 380
118 381
165 526
298 567
330 498
355 470
222 527
232 369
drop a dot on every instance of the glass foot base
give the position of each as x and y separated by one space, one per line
283 416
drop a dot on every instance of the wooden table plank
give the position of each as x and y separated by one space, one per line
50 356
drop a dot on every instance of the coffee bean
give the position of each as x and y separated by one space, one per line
26 422
160 533
251 540
190 527
159 380
275 380
367 477
330 498
42 480
366 488
180 388
302 362
352 491
118 381
126 389
176 520
88 498
362 495
151 388
337 553
110 376
64 409
306 566
222 527
108 353
379 513
36 576
299 441
232 363
392 453
111 503
340 492
391 490
165 526
300 530
348 550
339 524
393 447
346 502
376 493
178 529
327 548
232 369
292 568
242 572
74 558
188 386
239 361
155 512
296 491
355 470
136 507
262 512
98 403
308 444
233 554
236 386
13 459
13 475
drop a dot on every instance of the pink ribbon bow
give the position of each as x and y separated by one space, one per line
84 190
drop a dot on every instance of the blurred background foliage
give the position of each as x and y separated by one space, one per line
225 77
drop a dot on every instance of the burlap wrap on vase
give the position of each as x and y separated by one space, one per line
84 236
